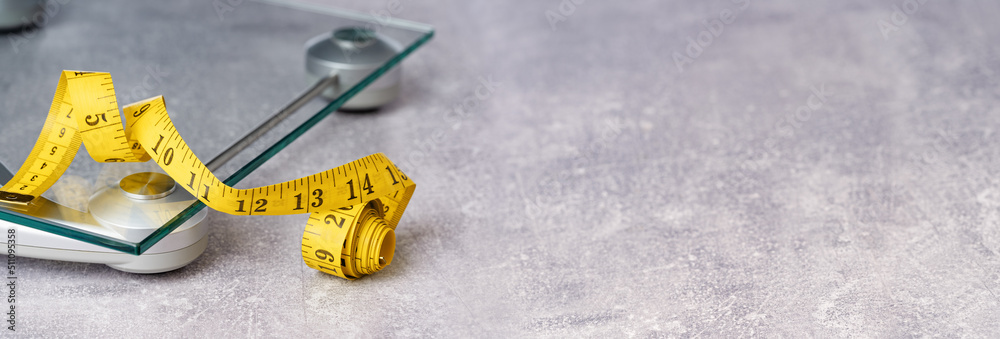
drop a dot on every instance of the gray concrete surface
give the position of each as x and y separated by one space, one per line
602 191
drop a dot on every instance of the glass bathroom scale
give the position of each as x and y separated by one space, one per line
224 68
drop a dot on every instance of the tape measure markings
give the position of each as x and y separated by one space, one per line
150 134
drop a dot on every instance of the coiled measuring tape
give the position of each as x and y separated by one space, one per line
354 208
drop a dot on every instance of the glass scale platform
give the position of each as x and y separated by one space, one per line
223 69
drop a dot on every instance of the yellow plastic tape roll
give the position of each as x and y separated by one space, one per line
353 208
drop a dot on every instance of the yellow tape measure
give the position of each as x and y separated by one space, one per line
353 208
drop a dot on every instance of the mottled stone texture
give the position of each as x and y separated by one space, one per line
818 169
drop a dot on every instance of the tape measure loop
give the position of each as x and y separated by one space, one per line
84 111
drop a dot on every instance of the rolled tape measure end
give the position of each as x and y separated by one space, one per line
349 242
